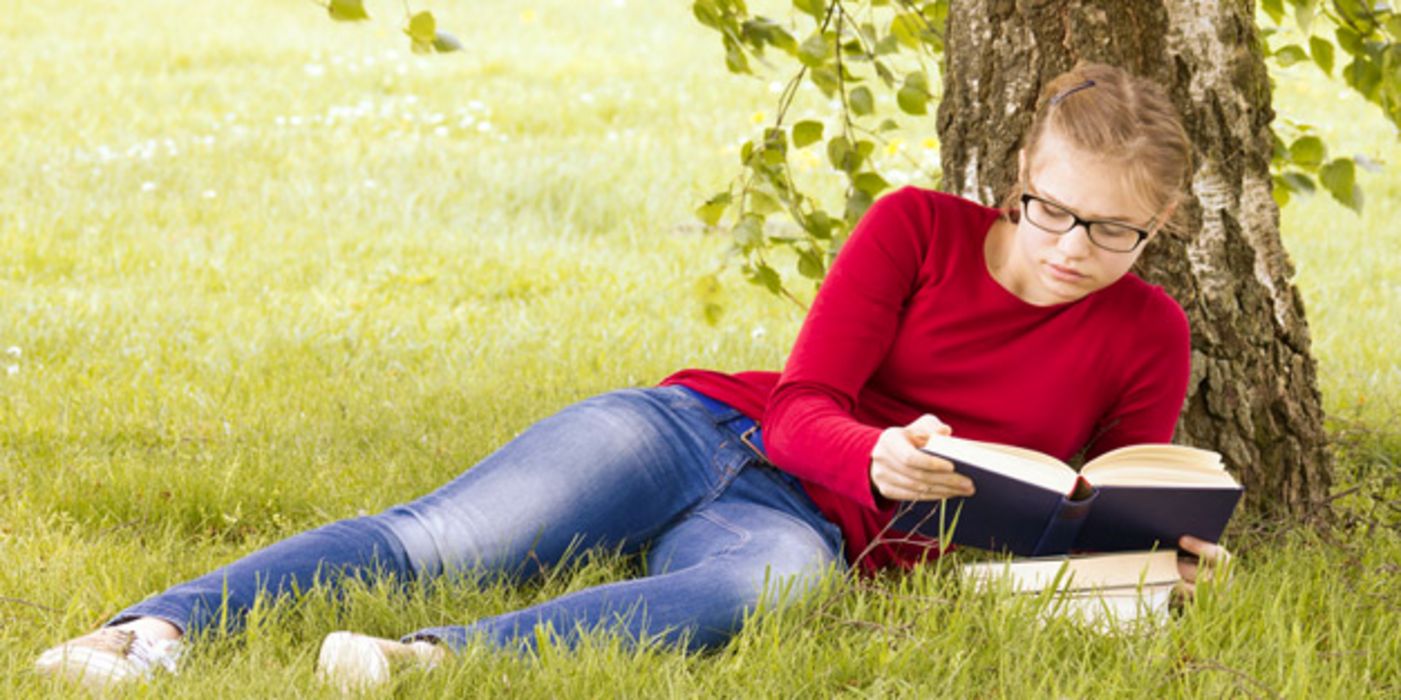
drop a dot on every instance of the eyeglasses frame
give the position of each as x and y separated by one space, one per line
1077 220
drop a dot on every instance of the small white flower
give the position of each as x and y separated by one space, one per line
775 87
476 105
586 98
12 370
370 184
758 333
441 131
280 121
484 127
209 194
13 351
296 120
148 186
466 121
314 70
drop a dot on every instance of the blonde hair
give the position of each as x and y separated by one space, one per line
1126 119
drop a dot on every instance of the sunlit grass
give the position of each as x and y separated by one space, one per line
260 271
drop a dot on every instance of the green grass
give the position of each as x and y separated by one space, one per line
263 271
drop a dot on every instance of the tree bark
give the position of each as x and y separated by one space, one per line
1253 395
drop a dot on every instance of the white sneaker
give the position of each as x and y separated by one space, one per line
354 662
109 656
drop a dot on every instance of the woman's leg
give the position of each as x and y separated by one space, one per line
613 470
706 573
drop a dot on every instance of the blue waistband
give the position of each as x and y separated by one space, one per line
731 416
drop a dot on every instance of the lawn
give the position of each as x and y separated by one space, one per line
259 271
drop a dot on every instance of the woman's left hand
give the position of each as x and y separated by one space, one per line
1212 563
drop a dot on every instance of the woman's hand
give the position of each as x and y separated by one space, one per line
1212 563
900 472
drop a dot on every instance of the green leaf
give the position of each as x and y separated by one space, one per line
815 50
871 183
810 264
856 205
839 152
1322 51
816 8
714 208
906 29
1273 8
825 78
1339 177
762 204
422 28
1308 152
709 291
1348 40
1303 16
1364 76
347 10
713 313
1280 192
444 42
806 133
911 101
735 59
819 224
1299 183
1289 55
889 125
708 13
767 277
861 101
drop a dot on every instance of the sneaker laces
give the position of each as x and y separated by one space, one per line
146 653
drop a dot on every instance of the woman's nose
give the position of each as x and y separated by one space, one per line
1075 243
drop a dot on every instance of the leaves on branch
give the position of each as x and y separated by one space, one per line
851 51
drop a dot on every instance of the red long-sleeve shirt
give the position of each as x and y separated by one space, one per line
910 321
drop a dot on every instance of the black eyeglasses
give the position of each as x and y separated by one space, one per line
1112 236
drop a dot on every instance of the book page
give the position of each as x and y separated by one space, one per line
1099 572
1158 465
1018 463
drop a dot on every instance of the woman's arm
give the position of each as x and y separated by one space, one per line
809 428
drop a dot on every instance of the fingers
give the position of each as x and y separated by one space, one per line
1209 553
900 471
1210 558
924 426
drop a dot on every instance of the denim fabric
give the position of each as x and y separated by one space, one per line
625 470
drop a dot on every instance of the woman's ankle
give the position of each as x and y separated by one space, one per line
152 628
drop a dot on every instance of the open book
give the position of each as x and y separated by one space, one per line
1105 590
1133 498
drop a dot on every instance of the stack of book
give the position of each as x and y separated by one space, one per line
1104 591
1130 506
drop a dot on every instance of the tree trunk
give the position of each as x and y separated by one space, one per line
1253 395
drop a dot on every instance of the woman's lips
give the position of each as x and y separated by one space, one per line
1064 273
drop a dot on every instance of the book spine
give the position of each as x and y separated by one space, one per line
1064 526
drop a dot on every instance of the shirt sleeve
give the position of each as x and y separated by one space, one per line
809 427
1154 383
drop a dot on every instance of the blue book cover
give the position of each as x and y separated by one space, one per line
1031 504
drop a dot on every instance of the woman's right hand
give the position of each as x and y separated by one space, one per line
901 472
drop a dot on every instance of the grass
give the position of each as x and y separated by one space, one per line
262 271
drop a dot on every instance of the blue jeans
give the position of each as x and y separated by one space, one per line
663 469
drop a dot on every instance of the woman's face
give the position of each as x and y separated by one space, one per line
1053 268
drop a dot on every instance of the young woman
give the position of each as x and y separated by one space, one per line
938 315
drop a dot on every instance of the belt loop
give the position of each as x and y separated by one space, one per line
748 438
